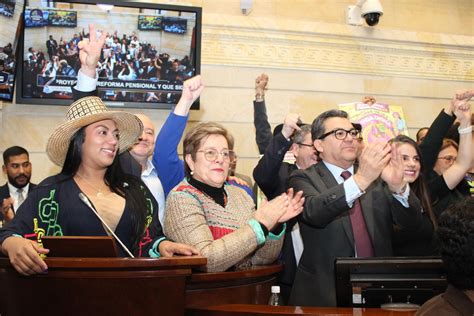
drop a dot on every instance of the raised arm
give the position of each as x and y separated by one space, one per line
263 129
89 51
89 55
169 167
266 173
434 138
464 161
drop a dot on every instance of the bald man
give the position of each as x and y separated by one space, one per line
142 152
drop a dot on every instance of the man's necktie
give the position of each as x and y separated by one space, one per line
359 228
21 198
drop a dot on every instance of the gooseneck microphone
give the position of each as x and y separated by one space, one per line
86 201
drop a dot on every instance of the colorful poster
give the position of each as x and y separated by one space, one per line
379 121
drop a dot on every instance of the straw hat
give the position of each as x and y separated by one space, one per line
86 111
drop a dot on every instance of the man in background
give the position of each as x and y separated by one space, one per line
142 151
52 47
17 168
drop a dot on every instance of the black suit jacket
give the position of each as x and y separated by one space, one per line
272 174
5 193
128 163
327 232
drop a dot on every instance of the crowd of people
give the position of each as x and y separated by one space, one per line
122 58
340 198
7 70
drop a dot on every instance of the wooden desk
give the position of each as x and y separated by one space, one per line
250 286
98 286
247 310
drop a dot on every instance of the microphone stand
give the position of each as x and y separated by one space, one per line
86 201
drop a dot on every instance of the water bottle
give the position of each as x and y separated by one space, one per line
275 297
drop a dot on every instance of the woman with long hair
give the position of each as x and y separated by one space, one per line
87 146
419 242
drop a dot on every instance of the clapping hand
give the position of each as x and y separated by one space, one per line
372 161
392 174
295 206
280 209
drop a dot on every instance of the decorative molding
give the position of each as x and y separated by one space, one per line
338 48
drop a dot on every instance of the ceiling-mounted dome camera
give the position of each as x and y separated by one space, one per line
371 11
368 10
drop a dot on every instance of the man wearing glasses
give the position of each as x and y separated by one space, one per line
349 209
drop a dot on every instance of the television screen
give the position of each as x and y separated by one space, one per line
9 39
62 18
36 17
7 7
139 67
175 25
149 22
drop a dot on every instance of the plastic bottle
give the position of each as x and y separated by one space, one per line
275 297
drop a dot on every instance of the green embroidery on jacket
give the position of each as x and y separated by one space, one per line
48 213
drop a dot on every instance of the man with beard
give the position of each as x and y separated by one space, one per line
17 168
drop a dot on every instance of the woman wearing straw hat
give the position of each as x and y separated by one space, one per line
91 196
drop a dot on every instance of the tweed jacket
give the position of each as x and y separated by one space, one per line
222 234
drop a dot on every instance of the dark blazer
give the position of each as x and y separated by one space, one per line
263 130
128 163
5 193
327 233
272 174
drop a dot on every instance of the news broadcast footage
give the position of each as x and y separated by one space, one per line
7 7
137 65
9 26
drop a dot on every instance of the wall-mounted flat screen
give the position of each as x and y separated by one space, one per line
62 18
149 22
175 25
142 65
7 7
36 17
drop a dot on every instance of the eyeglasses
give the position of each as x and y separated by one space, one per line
341 133
448 158
212 154
306 145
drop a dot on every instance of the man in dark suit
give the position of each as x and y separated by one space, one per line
17 168
272 174
52 47
349 210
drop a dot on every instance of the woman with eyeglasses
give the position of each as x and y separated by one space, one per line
218 219
446 162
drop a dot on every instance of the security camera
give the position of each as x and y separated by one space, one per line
369 10
246 6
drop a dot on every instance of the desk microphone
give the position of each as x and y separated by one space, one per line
86 201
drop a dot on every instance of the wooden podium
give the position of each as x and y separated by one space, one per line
98 286
250 286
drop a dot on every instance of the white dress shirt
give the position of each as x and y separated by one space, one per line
150 177
15 195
